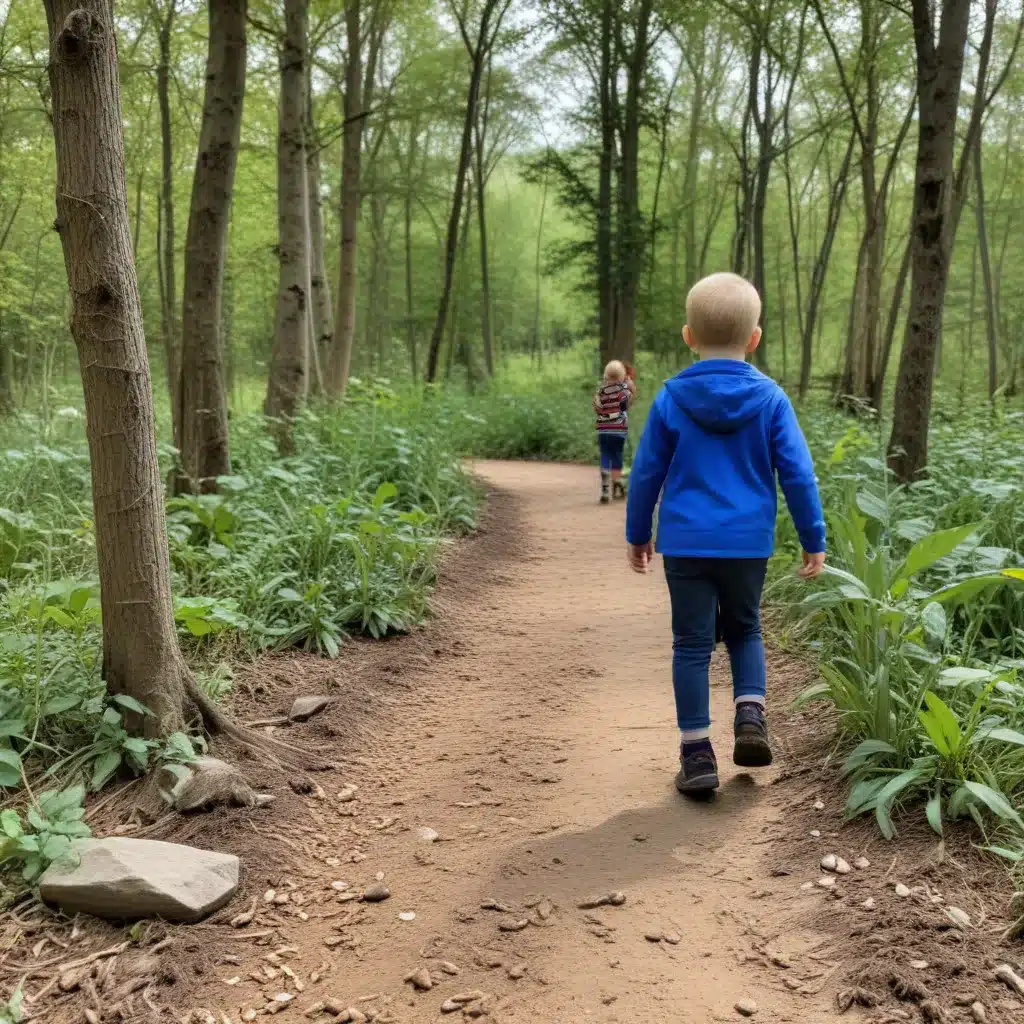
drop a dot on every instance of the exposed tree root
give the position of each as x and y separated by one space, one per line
218 723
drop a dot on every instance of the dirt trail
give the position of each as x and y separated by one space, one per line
540 745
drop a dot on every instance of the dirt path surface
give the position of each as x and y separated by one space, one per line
537 740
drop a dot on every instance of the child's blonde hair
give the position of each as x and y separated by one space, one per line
615 370
722 311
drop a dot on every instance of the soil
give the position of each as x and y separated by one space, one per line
530 729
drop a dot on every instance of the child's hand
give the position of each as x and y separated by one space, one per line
813 564
639 556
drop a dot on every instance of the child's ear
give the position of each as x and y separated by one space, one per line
755 340
688 337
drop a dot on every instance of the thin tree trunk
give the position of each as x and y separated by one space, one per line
321 309
410 320
939 73
895 304
991 324
166 256
538 347
692 171
480 131
606 162
478 52
351 168
287 380
140 647
203 417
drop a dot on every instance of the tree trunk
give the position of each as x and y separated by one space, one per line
166 256
351 170
140 647
287 380
630 221
895 304
410 319
203 418
538 346
478 52
481 211
692 171
991 324
321 310
939 73
606 162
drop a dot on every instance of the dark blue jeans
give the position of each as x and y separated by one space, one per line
709 595
612 447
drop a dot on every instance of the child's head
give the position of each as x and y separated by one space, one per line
722 313
615 370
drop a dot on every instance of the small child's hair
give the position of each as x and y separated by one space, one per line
722 311
615 370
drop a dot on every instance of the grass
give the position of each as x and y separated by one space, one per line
344 537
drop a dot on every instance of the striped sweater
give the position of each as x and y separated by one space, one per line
611 404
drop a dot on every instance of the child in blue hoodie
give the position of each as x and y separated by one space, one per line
717 436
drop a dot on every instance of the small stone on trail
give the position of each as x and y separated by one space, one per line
429 835
818 805
978 1013
407 915
672 938
305 708
340 886
654 936
376 893
829 862
901 890
609 899
420 980
450 1006
807 885
861 863
129 879
379 876
450 969
348 794
920 965
815 833
269 896
827 881
512 924
746 1008
959 917
869 903
1006 974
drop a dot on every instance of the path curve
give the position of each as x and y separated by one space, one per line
535 734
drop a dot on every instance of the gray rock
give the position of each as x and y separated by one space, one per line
126 879
978 1012
305 708
901 890
959 917
376 893
746 1008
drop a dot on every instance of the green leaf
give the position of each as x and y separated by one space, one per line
816 691
58 615
864 752
873 506
32 869
1015 856
10 768
1003 735
199 627
385 493
927 551
111 716
63 804
56 847
59 705
104 768
970 587
36 820
942 726
933 618
179 746
11 824
934 810
290 595
995 801
131 704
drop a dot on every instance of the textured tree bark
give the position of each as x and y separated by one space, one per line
203 417
351 161
480 140
939 72
169 306
991 322
286 383
321 308
608 67
140 647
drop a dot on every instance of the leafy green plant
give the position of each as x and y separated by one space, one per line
11 1011
46 833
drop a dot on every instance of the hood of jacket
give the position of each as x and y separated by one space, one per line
721 395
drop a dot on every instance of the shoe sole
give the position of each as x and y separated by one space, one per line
695 786
752 752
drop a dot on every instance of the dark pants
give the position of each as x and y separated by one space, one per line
611 446
714 597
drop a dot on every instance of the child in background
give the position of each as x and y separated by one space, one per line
717 436
614 396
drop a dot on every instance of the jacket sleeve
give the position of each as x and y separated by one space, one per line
647 474
792 461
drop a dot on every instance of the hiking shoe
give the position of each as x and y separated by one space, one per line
619 490
604 498
698 772
751 732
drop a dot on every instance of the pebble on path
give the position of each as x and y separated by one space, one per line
746 1008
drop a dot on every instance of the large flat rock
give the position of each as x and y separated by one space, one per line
127 879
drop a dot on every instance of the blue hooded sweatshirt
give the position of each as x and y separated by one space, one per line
716 436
